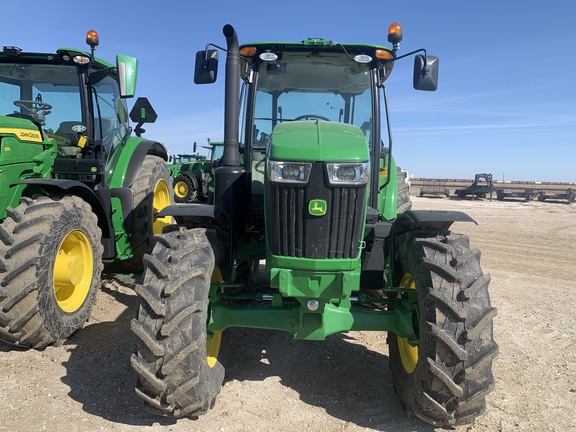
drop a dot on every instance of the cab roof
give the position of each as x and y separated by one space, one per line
314 43
62 56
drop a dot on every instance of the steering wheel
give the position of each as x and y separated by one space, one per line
311 116
32 106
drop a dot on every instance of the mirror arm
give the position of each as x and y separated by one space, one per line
138 129
215 46
212 45
409 54
425 71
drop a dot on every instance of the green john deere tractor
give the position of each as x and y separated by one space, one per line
193 173
310 189
77 190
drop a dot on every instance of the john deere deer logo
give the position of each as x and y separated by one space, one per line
317 207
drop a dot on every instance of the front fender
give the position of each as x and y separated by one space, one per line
184 213
218 225
130 160
428 219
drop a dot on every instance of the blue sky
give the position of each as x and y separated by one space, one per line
506 101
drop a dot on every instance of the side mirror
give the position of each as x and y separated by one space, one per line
206 67
426 73
142 112
127 73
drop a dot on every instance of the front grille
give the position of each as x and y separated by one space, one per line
293 232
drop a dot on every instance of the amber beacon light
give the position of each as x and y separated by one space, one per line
395 33
92 38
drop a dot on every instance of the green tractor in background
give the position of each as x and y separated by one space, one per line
177 161
310 188
76 190
186 186
193 173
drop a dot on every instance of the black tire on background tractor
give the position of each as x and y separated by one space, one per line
152 192
50 266
185 189
180 369
404 202
444 379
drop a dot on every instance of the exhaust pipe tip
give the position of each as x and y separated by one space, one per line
228 31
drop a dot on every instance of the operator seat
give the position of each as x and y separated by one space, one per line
65 137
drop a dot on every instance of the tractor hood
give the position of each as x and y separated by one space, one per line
22 129
318 141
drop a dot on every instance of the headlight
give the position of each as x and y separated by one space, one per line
289 172
348 173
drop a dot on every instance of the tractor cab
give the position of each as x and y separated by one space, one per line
312 111
71 102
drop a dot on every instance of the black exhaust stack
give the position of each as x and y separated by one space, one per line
231 155
230 185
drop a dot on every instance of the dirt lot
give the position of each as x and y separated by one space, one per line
343 384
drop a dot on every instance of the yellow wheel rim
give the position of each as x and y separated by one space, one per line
160 200
181 189
214 339
213 348
408 353
73 270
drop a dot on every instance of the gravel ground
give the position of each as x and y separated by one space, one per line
341 384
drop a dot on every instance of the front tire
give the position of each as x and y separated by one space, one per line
152 192
179 366
444 378
50 266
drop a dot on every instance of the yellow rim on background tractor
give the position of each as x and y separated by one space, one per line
160 200
181 189
73 271
214 339
408 353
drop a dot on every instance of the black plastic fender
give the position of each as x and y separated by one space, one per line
428 219
220 230
144 147
182 212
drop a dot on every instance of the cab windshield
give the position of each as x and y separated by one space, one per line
50 96
305 86
46 94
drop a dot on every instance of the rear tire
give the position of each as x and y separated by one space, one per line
50 266
444 379
180 370
152 192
